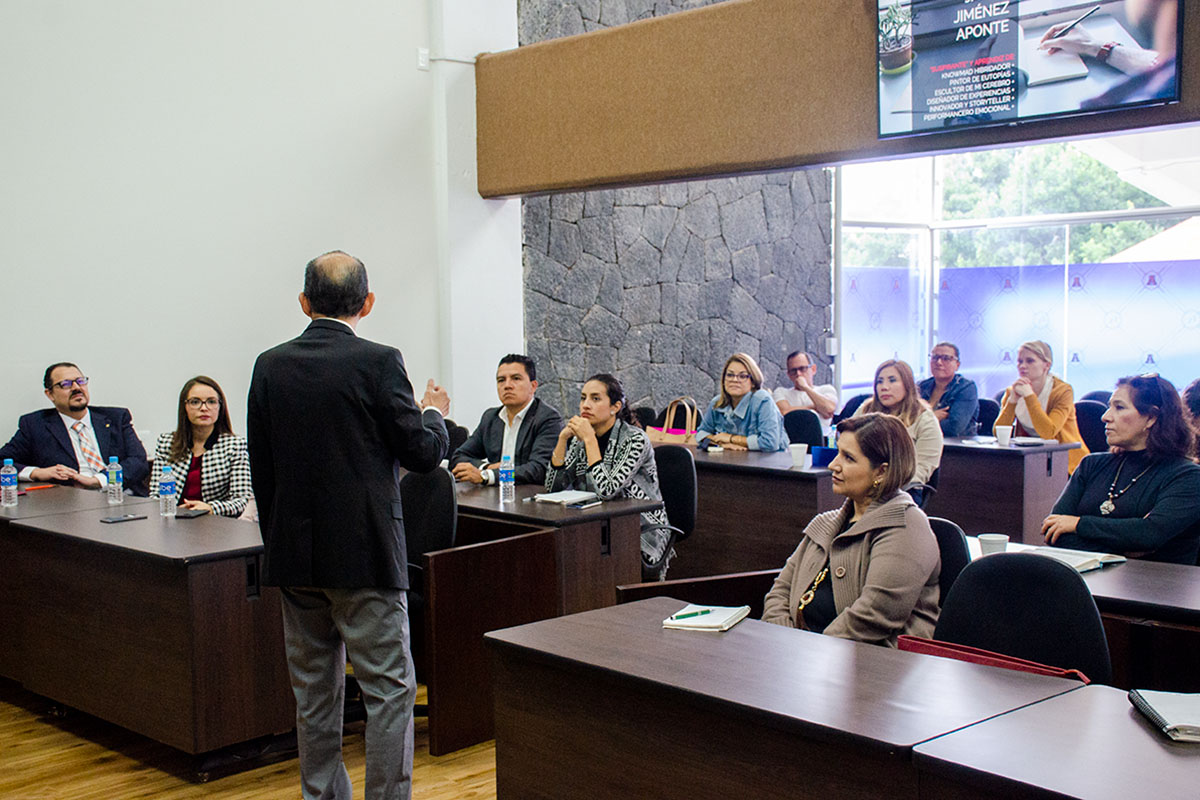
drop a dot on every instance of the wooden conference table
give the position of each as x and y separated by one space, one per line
751 510
158 625
986 488
1089 744
611 701
513 564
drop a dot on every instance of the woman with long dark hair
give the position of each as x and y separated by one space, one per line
602 451
210 463
896 395
1140 498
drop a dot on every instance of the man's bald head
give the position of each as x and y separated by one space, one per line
335 285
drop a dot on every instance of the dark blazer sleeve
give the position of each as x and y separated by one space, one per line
417 439
258 441
546 425
129 450
473 450
20 447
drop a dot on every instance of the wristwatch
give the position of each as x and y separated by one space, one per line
1106 51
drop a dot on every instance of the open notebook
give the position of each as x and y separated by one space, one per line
706 618
566 496
1081 560
1175 714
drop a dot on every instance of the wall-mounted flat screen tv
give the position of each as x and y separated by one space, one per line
952 64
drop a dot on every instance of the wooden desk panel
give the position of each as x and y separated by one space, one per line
166 633
986 488
1089 744
492 580
611 701
752 508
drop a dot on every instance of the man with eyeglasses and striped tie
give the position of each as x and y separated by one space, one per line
72 442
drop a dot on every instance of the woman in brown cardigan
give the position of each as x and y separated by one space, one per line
1040 404
869 570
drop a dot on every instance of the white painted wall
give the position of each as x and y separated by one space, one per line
168 167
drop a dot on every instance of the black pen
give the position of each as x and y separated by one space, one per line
1067 29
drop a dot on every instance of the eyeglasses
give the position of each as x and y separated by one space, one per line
203 402
69 382
936 357
795 370
737 376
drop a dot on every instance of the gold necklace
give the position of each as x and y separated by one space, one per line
807 597
1108 506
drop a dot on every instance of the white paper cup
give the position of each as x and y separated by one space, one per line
799 454
992 543
1003 435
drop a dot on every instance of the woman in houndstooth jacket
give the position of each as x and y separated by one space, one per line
601 451
210 463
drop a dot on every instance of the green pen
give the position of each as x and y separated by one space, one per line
693 614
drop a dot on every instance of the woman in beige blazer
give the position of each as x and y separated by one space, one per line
869 570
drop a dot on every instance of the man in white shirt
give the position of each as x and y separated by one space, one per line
522 427
72 443
823 398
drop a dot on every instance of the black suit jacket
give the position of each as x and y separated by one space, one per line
535 441
331 419
42 440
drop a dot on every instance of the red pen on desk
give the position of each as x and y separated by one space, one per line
39 486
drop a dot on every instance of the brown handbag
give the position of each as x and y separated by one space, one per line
684 435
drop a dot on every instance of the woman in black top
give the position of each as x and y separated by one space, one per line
1140 499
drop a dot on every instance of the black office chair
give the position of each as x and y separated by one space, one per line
999 396
644 415
922 492
1030 607
988 411
458 435
1099 396
430 521
1091 427
803 426
952 546
677 481
851 406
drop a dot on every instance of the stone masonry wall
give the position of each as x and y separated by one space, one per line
660 284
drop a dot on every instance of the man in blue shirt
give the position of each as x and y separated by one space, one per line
954 399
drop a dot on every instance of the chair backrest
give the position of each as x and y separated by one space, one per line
952 545
458 435
851 406
430 512
1100 396
999 396
677 481
1091 428
1028 606
803 426
645 416
988 411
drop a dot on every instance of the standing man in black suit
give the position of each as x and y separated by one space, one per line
522 426
71 443
331 419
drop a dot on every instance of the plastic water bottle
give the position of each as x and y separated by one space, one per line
166 493
508 489
8 484
116 478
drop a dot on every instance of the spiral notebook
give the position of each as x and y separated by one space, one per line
1174 713
706 618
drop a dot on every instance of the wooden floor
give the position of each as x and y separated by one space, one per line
43 757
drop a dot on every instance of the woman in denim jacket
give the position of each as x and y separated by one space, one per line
743 416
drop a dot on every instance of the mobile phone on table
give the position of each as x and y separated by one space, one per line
122 518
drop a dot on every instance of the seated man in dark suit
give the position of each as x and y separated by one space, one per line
523 427
71 443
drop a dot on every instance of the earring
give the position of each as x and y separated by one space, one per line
875 484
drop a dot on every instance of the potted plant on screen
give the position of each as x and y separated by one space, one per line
895 39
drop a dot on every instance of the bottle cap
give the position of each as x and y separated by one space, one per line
8 462
166 469
112 459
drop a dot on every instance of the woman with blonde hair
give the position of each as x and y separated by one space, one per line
743 416
896 395
1040 404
